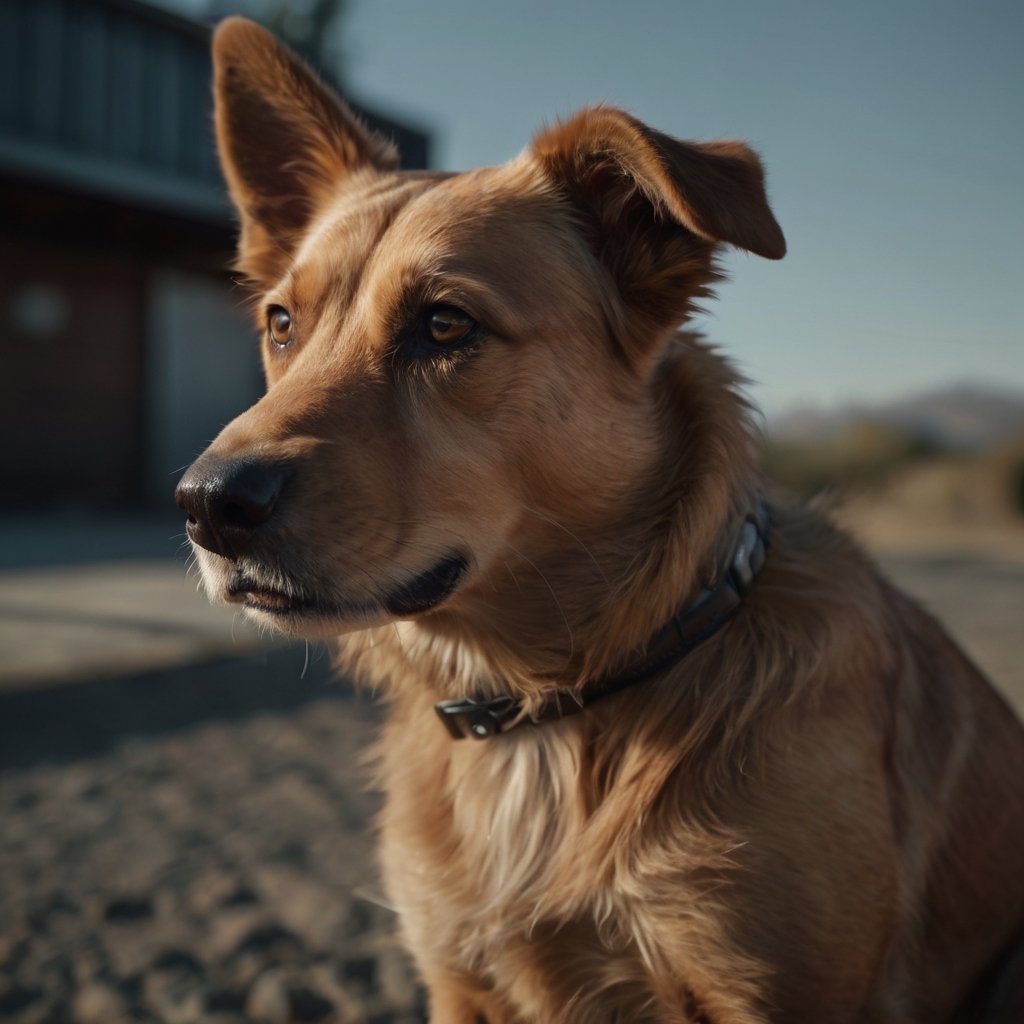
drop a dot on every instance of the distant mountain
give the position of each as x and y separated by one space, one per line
967 417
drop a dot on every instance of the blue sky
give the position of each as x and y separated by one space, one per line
892 133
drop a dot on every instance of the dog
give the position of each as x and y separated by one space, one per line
660 746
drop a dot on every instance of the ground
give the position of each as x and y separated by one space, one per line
197 847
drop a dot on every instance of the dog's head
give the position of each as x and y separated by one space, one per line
461 369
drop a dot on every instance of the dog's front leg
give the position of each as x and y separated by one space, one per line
456 999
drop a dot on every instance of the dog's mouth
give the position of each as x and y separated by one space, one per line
261 599
253 594
428 589
418 595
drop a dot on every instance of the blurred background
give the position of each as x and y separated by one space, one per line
185 822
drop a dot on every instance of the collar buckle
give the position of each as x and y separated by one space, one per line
479 719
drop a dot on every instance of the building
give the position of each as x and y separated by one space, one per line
124 347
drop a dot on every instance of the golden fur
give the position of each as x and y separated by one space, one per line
818 816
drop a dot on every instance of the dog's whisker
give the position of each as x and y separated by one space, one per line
374 897
511 572
398 637
554 596
565 529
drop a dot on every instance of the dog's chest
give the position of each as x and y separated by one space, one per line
514 873
515 809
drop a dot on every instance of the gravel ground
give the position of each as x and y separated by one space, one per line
217 873
160 864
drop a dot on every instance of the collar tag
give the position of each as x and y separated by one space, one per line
748 558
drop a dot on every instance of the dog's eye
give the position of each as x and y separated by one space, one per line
449 326
279 324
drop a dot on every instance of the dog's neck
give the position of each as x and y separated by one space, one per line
693 624
568 613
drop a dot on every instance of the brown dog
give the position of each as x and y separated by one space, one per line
487 454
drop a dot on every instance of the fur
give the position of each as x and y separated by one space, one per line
817 816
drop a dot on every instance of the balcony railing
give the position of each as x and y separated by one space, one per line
112 96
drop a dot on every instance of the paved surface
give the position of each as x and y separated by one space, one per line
84 599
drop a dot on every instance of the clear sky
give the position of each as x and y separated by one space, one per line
893 134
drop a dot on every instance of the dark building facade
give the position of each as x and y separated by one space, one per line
125 348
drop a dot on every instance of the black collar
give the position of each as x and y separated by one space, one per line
686 630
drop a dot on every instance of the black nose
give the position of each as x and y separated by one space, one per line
228 501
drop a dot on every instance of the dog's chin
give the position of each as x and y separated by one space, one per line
295 609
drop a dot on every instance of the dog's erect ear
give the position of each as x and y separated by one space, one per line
285 142
636 187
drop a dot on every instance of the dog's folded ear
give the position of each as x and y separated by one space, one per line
285 143
655 207
714 189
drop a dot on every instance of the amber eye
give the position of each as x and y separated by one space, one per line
279 324
449 326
